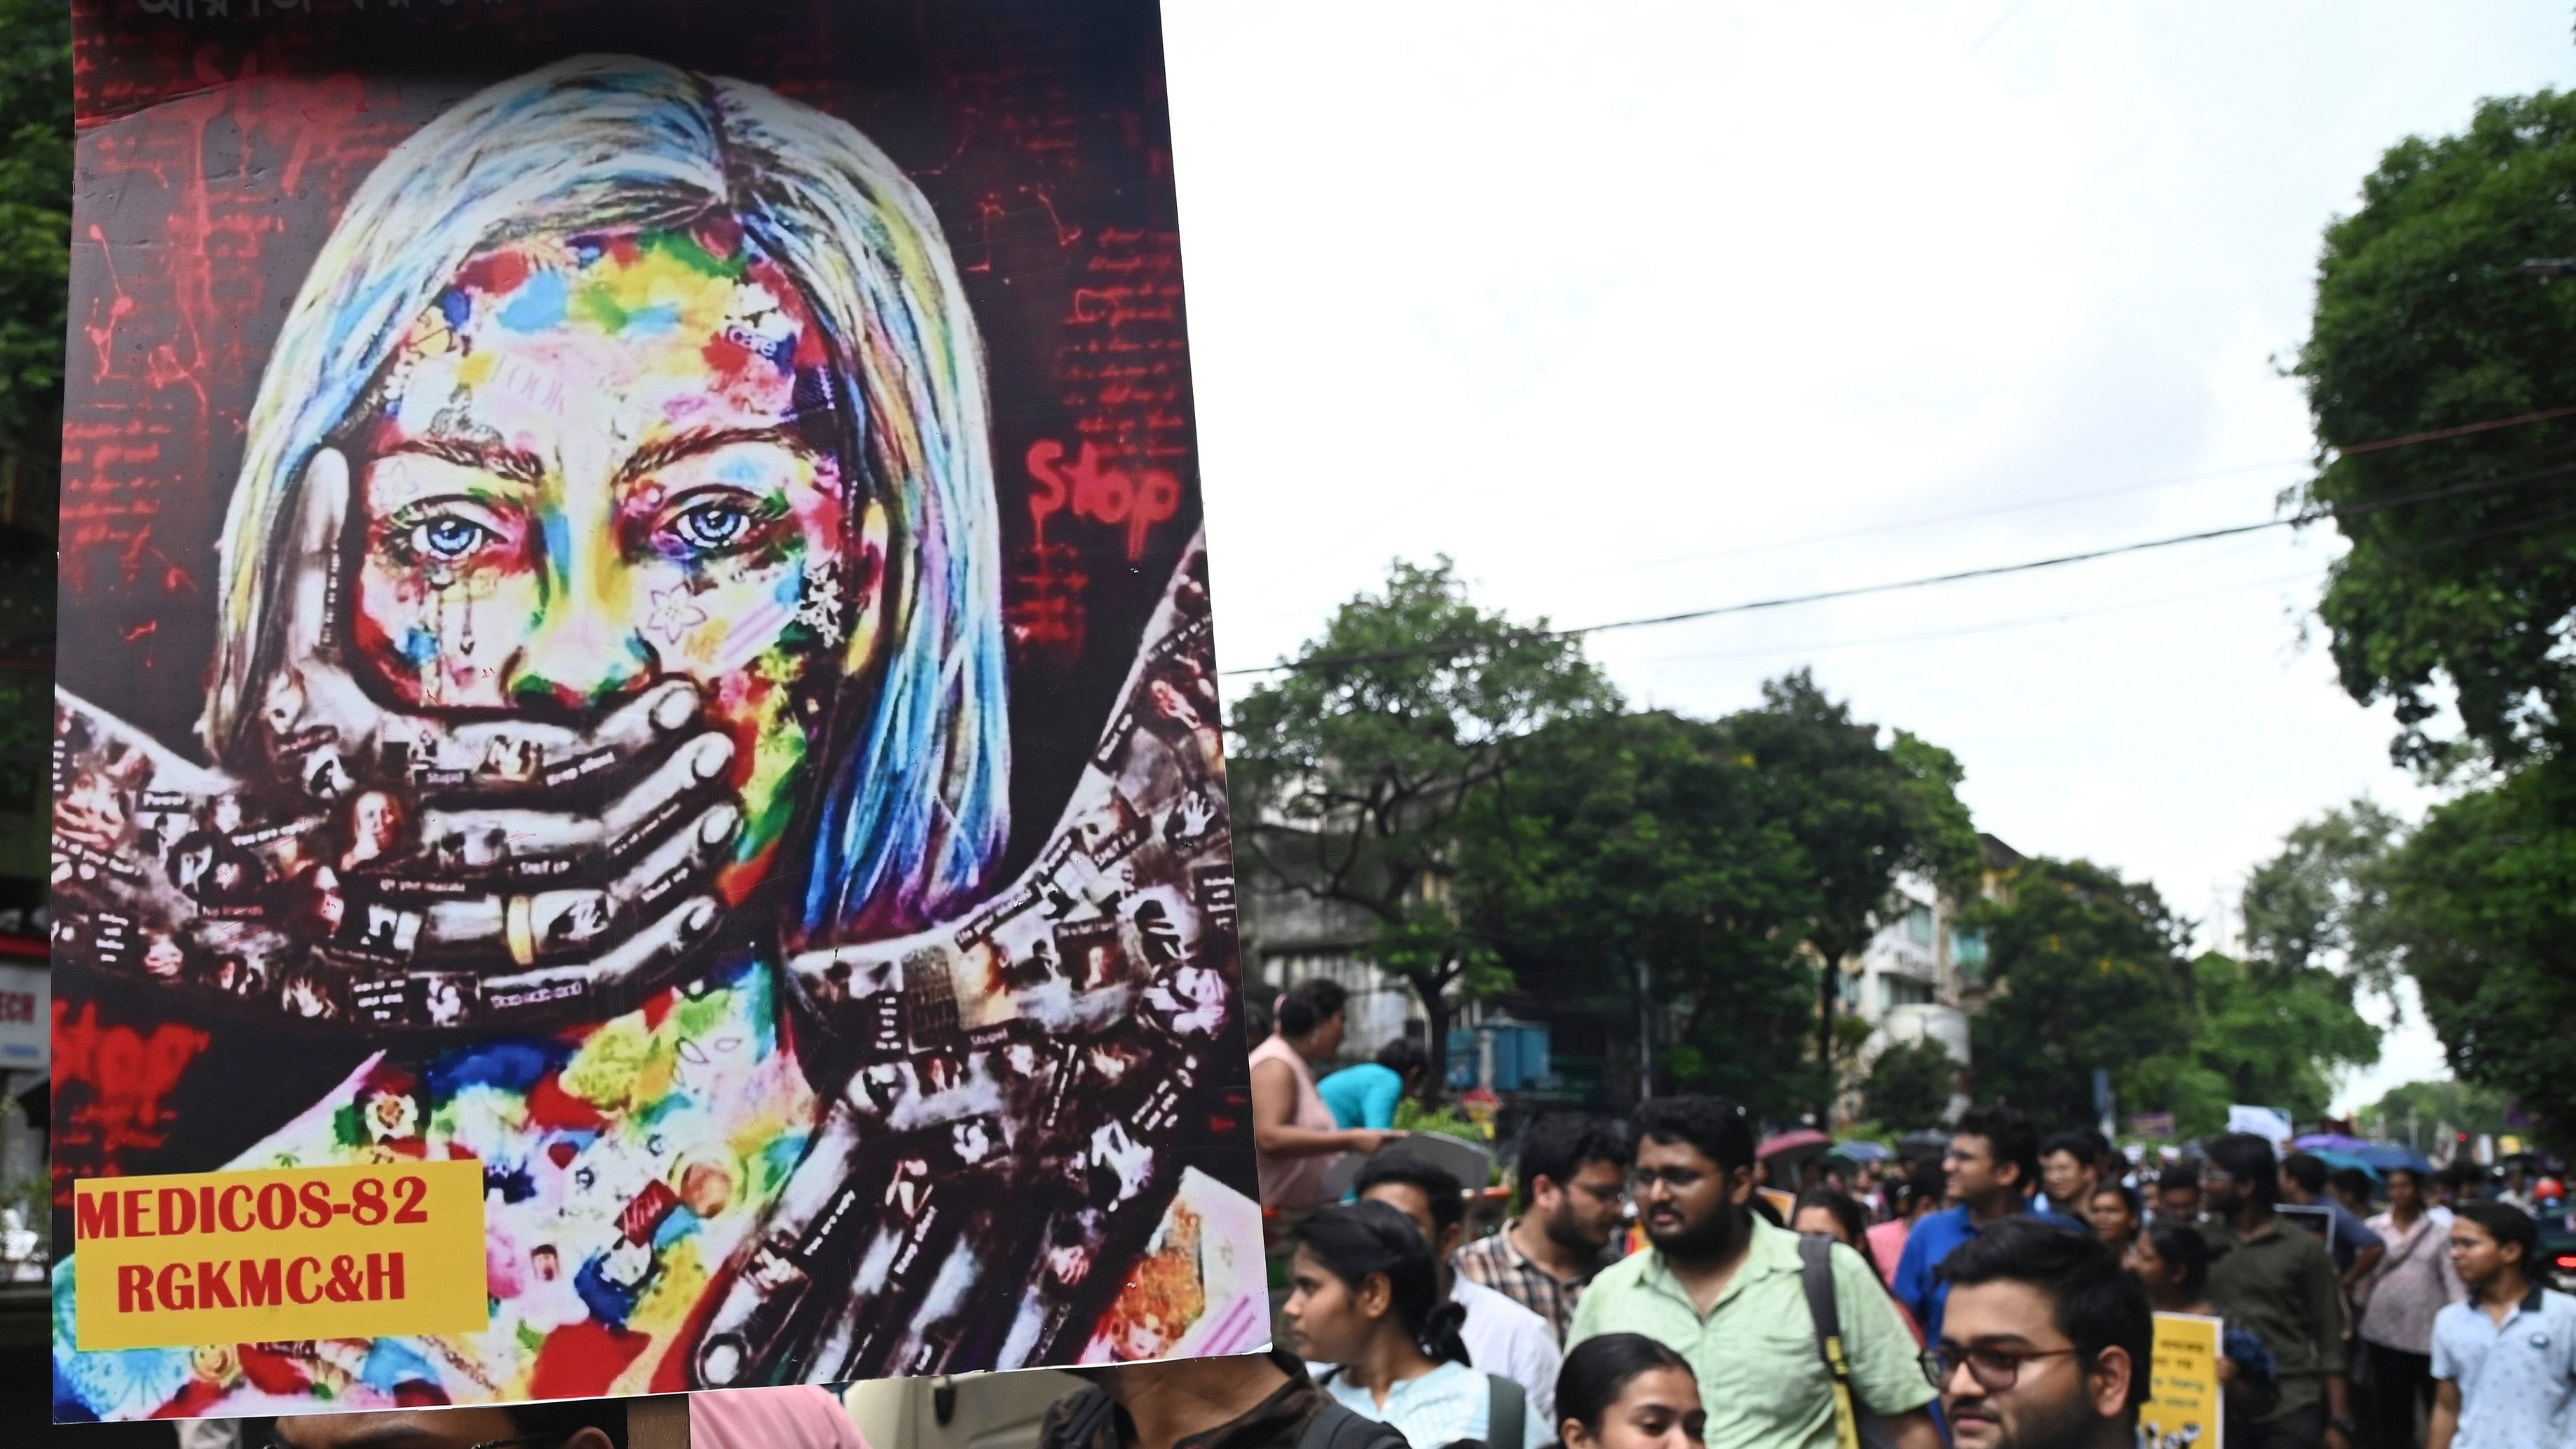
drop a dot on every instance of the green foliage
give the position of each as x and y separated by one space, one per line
2425 321
2424 1108
1862 812
35 225
2481 901
2275 1035
1412 1116
2090 973
1652 837
1354 774
1910 1085
2318 903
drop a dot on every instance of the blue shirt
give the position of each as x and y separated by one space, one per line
1363 1096
2351 1234
1933 1239
2518 1380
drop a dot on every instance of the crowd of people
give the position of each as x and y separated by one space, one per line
1904 1306
1653 1291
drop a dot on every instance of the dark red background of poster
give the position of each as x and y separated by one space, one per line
219 139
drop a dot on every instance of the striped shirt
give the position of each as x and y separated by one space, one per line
1497 1264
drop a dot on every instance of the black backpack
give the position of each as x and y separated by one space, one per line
1333 1426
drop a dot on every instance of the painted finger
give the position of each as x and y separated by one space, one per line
538 843
552 925
540 926
502 755
659 946
687 857
654 806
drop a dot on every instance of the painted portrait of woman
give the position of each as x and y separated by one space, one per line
609 725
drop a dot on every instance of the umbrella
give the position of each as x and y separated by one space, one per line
1860 1152
2330 1142
2333 1158
2389 1156
1799 1140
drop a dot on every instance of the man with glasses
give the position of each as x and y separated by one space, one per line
2046 1344
1723 1288
1991 1170
2283 1288
1573 1174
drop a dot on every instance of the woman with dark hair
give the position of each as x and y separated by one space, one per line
2172 1259
1365 1298
1368 1094
1838 1215
2113 1212
1626 1391
2400 1297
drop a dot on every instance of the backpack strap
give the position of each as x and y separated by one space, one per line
1506 1413
1816 1275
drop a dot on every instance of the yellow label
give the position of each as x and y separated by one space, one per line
2183 1403
295 1253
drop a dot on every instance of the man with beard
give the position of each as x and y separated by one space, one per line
1726 1291
2281 1286
2045 1344
1573 1172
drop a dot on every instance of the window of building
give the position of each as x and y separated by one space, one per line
1918 925
1896 990
1968 948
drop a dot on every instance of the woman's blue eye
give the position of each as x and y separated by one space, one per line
712 525
448 539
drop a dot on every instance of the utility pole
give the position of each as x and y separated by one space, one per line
1645 1035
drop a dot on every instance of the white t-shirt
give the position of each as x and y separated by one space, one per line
1509 1341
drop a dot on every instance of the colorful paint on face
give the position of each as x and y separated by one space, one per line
602 461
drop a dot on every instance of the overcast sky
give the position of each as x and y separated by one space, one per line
1637 308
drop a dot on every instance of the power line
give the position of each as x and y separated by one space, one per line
1966 515
2347 511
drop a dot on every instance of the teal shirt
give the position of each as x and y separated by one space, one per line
1761 1376
1363 1096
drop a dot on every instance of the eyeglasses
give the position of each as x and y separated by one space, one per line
1601 1194
1680 1179
275 1442
1996 1369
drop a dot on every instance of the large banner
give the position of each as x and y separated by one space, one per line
638 793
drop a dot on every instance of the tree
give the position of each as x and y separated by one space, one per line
2460 580
2426 321
1354 775
1635 853
2481 902
1863 811
2319 902
1910 1085
2275 1036
2089 974
35 241
2416 1112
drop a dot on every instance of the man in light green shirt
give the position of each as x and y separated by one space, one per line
1721 1287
